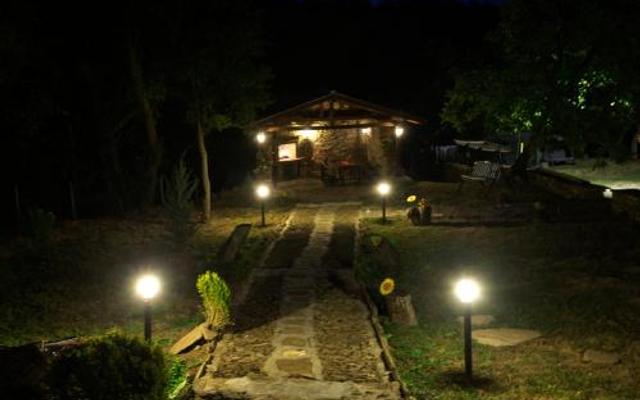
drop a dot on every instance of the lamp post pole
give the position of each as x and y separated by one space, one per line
468 361
467 291
147 320
384 209
262 212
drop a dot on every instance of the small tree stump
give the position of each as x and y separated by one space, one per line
401 309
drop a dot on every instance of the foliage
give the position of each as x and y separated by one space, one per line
40 225
110 367
554 74
177 376
216 298
179 206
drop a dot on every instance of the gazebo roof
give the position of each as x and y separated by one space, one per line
335 111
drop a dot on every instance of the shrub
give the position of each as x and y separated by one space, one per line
177 378
216 298
40 225
110 367
177 201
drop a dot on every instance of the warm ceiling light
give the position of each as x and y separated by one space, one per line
308 134
399 131
365 131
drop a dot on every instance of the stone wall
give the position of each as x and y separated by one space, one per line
568 187
374 149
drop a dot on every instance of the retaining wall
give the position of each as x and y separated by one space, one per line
569 187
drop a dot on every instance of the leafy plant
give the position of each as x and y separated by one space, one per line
177 202
40 225
110 367
216 298
177 376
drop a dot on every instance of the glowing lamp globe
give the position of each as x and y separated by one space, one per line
467 290
261 137
148 286
399 131
263 191
383 188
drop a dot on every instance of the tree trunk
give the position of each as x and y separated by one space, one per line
204 174
155 155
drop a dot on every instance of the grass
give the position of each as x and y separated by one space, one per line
81 283
616 176
574 282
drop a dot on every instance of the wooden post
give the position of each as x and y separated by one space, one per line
401 309
18 208
162 183
72 201
274 158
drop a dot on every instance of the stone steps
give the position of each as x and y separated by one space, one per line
260 388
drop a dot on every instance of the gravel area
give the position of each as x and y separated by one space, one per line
246 349
345 340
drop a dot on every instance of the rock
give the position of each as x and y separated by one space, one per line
480 320
296 366
600 357
190 339
504 336
207 333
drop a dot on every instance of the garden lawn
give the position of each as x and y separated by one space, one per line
616 176
82 282
577 283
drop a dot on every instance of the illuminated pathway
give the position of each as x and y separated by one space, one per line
298 335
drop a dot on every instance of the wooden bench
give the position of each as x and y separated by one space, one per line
484 172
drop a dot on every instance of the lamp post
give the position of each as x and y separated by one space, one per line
467 290
147 287
261 137
263 192
384 189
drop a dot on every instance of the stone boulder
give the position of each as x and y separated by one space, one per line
600 357
504 336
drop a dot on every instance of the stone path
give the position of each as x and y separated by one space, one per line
299 335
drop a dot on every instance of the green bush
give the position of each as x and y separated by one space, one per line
110 367
178 204
216 298
40 225
177 376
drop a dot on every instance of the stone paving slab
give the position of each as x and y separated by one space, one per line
294 389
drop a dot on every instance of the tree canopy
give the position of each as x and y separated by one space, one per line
555 68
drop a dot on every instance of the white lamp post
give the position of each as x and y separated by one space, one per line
399 131
147 288
467 290
384 189
263 192
261 137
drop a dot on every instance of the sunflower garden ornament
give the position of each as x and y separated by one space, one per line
387 286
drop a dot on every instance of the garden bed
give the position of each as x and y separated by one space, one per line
574 282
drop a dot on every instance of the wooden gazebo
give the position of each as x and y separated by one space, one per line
336 137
